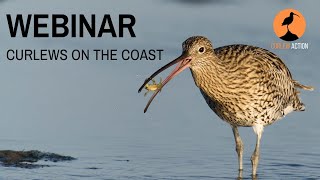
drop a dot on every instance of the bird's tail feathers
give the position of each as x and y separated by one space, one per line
301 86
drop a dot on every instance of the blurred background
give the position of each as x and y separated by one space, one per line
91 109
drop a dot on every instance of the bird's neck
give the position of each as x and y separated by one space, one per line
209 75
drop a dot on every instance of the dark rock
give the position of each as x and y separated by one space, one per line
25 159
289 36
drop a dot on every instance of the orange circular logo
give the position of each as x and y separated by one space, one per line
289 25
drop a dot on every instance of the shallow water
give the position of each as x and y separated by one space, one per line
91 110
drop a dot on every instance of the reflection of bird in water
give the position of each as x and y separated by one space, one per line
244 85
288 20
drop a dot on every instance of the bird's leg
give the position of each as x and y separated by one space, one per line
258 129
239 148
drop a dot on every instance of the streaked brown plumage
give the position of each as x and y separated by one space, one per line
244 85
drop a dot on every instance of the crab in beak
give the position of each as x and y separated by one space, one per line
182 62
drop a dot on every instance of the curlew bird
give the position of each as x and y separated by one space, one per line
288 20
245 86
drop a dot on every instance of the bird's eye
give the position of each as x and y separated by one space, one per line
201 50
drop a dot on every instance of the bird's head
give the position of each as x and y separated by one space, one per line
195 52
198 49
292 13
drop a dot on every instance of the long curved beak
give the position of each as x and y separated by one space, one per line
182 62
296 14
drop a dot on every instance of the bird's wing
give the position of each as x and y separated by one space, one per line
277 63
277 80
267 64
269 78
286 21
245 55
272 63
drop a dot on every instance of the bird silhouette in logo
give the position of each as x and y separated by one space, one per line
289 36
